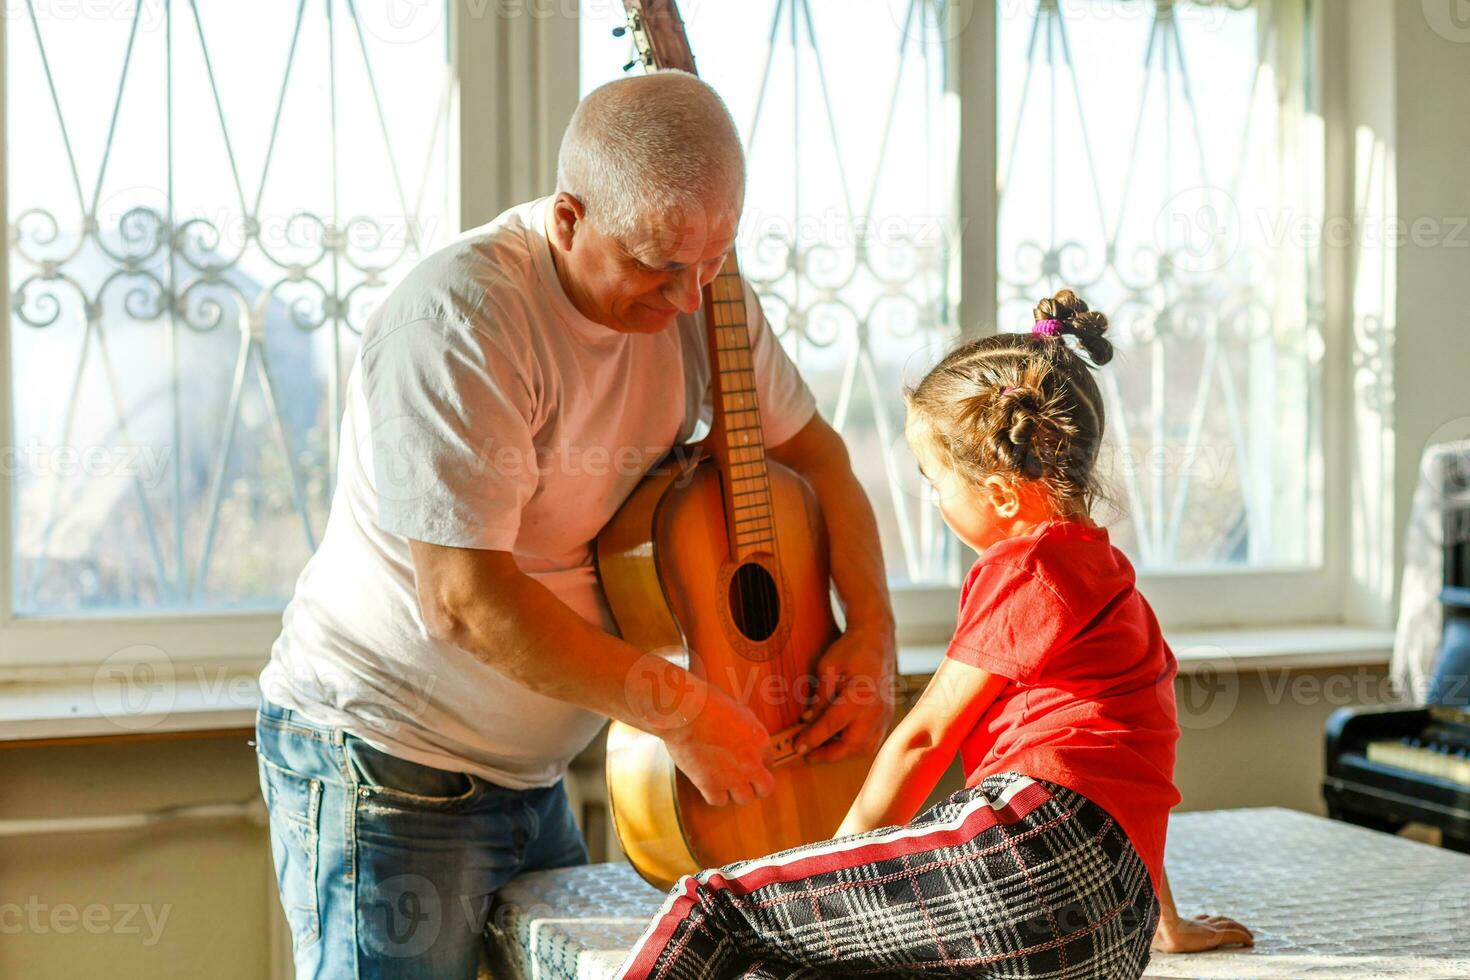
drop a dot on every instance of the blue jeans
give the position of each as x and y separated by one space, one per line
386 868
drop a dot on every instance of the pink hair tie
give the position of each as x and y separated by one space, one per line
1006 391
1046 328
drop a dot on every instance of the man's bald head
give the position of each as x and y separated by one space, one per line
642 147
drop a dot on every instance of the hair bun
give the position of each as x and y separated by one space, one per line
1024 406
1074 317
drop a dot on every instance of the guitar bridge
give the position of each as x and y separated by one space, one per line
784 745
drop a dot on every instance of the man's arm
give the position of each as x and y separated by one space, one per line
855 702
481 602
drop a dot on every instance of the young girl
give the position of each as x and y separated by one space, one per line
1056 691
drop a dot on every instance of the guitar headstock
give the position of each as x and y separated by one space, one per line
658 34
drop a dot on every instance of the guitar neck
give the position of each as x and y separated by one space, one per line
736 440
658 31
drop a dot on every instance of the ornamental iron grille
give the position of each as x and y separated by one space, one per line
190 262
1172 198
205 201
849 234
1162 159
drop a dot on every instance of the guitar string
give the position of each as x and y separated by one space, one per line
769 618
770 589
757 611
765 599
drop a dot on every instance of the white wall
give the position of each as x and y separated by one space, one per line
205 886
1432 138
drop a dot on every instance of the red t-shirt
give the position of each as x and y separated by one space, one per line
1090 703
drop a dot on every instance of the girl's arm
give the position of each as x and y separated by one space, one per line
922 746
1176 935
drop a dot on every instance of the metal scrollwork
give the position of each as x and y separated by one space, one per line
1185 296
235 270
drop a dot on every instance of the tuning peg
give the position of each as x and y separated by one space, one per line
629 65
620 30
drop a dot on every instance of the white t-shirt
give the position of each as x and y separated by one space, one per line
484 411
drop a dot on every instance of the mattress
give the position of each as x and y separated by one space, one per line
569 923
1324 899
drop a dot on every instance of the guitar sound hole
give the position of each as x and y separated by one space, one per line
755 603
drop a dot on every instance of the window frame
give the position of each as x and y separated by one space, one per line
1184 599
495 156
510 109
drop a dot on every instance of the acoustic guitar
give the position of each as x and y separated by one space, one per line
718 561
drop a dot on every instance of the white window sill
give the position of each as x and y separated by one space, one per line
99 703
1223 651
225 696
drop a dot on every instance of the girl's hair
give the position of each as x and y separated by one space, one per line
1023 405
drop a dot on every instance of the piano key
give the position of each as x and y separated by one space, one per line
1411 755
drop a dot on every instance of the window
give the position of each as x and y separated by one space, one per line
204 203
849 235
1181 202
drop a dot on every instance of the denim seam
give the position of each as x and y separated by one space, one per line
293 773
294 729
351 863
390 796
311 827
349 812
315 804
367 791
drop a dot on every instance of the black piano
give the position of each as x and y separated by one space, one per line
1387 766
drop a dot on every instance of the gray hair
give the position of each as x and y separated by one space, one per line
646 145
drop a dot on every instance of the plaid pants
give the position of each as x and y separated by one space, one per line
1018 877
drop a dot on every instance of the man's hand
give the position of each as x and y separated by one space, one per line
1178 935
852 705
725 751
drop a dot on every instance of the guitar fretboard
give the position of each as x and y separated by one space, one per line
747 489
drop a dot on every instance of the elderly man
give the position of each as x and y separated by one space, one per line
448 649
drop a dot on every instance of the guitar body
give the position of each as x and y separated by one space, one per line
719 564
666 569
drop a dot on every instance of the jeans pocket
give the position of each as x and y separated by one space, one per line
389 779
295 803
